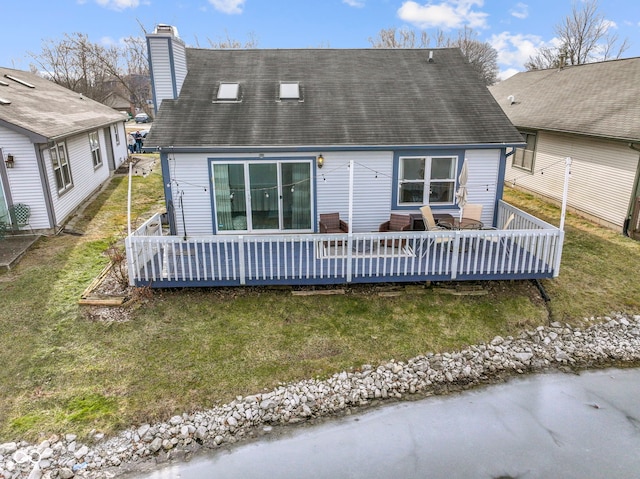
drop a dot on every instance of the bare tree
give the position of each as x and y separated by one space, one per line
400 38
481 55
585 36
71 62
95 70
228 42
546 57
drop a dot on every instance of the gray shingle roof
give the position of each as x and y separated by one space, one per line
596 99
49 110
363 97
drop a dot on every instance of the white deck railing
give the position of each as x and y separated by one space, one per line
530 248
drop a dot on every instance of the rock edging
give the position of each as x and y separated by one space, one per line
610 340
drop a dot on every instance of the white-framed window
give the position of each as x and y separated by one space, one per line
116 134
427 180
94 144
61 168
523 158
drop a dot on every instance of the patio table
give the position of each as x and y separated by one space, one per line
417 223
462 224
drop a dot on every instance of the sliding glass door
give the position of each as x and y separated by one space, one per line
265 199
296 196
262 196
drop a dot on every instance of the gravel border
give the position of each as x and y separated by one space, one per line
608 341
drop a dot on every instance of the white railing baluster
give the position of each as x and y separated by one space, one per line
529 247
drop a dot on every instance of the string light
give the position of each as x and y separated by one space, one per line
541 171
267 189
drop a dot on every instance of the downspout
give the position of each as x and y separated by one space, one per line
636 192
46 187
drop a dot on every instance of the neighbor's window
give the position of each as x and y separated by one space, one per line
61 168
94 143
117 134
427 180
523 157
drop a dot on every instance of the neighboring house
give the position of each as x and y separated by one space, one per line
62 147
120 103
590 113
256 144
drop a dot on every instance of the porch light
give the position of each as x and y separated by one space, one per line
10 161
320 161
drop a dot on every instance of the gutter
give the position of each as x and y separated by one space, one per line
316 148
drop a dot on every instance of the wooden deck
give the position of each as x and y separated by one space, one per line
236 260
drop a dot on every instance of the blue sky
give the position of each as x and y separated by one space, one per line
514 27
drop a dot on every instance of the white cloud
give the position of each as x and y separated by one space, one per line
118 5
520 11
354 3
515 50
107 41
446 15
228 6
509 72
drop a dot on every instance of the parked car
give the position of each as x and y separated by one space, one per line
142 118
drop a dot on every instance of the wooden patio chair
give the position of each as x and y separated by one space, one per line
331 223
396 222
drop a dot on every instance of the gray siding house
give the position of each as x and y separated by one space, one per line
590 113
56 146
256 144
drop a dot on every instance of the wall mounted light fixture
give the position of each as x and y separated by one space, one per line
320 161
10 161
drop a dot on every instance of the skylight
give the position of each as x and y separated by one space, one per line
289 91
228 92
5 102
18 80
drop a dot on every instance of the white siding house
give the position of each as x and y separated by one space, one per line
62 147
591 114
255 145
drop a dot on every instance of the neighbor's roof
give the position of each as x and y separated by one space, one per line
350 97
596 99
45 110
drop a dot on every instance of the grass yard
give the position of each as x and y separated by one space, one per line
191 349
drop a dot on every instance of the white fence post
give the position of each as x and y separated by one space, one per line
241 263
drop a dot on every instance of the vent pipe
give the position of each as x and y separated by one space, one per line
430 56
